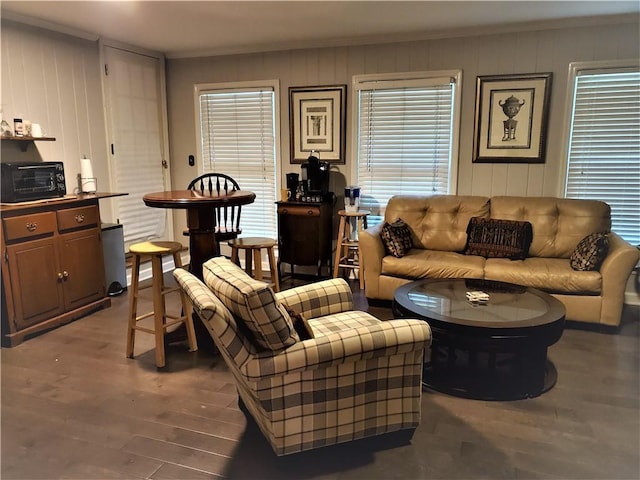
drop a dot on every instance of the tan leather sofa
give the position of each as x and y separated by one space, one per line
438 228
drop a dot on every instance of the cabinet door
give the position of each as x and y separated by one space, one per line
35 284
82 267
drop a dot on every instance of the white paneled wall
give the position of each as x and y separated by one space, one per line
54 80
506 53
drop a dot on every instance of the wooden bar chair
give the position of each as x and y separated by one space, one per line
253 247
227 216
161 320
348 252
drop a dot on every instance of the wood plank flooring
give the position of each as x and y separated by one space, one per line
73 407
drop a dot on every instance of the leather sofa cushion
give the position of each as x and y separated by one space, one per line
420 263
549 274
437 222
558 223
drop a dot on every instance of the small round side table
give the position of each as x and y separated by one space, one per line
347 246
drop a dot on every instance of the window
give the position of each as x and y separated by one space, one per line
406 136
603 160
238 138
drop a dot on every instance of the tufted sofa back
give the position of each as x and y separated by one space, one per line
437 222
558 223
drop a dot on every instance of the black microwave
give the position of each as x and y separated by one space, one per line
22 182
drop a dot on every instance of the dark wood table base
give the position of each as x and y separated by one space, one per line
496 351
488 375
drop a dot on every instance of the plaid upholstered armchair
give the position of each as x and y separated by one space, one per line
328 375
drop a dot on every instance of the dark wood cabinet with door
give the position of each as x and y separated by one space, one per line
52 266
305 234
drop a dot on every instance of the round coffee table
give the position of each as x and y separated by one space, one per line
492 351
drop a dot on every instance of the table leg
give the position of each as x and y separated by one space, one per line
202 239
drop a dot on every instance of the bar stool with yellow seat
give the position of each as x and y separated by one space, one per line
161 321
253 246
347 246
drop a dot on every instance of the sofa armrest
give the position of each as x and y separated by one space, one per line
621 258
372 251
383 339
319 299
202 299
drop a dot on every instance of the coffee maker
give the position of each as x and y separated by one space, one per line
315 178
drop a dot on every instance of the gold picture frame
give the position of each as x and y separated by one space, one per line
317 120
511 118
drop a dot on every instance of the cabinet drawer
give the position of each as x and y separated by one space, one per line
29 226
299 210
81 217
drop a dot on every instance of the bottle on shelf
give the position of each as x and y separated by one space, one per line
18 127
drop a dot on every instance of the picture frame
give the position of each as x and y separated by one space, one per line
317 123
511 118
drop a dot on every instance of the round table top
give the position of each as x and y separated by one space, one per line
252 242
509 306
196 198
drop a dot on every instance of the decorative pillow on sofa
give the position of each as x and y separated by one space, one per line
253 302
396 237
494 238
590 252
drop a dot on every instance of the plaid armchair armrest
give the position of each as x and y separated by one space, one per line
201 297
351 345
319 299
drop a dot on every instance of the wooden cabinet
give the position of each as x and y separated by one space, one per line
305 234
52 268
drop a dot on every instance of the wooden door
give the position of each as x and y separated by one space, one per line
36 282
82 267
136 121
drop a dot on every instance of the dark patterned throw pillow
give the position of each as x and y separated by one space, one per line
495 238
590 252
396 237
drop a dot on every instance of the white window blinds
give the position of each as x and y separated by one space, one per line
238 139
604 146
405 139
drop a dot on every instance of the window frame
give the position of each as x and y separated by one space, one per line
421 78
274 85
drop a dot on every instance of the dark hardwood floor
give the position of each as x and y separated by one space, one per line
74 407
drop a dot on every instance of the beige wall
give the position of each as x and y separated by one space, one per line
525 52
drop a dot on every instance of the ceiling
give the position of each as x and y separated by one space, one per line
198 28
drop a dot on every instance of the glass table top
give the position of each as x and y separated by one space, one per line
508 305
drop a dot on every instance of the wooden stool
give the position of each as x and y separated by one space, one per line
156 250
348 248
255 244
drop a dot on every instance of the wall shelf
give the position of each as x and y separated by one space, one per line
25 141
